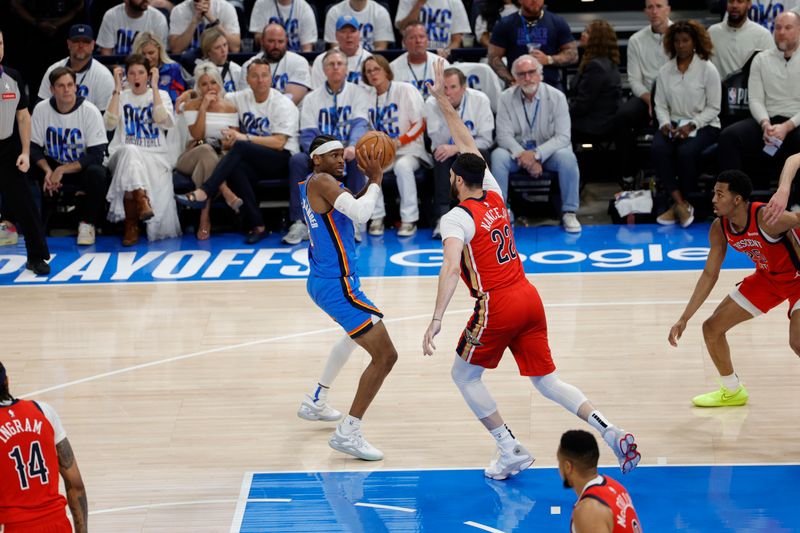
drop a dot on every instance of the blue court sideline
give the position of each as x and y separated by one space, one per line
226 257
667 498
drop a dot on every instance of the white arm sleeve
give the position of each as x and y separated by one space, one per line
490 184
457 223
55 421
358 210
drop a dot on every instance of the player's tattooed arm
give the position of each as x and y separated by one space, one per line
76 492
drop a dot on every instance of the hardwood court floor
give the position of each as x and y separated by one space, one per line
170 392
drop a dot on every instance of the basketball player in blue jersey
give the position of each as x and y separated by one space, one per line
329 210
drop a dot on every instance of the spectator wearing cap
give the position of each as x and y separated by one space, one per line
296 17
374 21
94 81
290 72
15 136
535 31
348 38
416 65
191 18
122 23
445 21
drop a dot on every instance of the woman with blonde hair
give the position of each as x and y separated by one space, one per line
214 48
171 77
207 115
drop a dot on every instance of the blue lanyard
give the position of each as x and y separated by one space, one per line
424 73
463 106
335 117
530 122
378 125
528 38
285 23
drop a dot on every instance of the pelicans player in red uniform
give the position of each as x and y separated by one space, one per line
772 244
33 451
603 506
479 244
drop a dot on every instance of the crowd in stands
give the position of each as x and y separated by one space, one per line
171 101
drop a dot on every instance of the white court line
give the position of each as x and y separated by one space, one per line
327 330
155 505
241 502
481 526
381 506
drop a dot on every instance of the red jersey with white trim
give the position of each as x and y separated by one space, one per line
29 467
776 257
610 493
490 260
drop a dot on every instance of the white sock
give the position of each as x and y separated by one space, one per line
730 382
340 353
320 394
349 425
599 422
503 436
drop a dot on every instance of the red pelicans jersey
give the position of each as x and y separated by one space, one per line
776 257
610 493
29 467
490 260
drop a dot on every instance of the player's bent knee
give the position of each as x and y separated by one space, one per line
464 373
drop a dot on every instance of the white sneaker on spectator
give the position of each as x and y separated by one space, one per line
507 463
319 410
86 234
570 223
437 231
407 229
298 232
8 234
376 227
355 444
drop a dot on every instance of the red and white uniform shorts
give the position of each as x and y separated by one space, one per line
758 293
512 317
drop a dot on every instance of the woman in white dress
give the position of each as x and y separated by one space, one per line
207 115
141 186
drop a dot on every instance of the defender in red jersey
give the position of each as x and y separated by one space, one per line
772 244
33 450
479 245
603 506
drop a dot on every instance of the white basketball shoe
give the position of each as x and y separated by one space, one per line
624 446
311 410
355 444
507 463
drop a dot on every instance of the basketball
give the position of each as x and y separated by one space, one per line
373 141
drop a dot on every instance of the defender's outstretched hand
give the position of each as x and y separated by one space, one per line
437 89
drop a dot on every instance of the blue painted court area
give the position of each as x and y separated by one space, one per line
666 498
544 250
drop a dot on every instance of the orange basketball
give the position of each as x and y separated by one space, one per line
374 141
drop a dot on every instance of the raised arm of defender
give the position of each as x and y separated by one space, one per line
462 138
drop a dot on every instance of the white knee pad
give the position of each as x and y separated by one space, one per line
564 394
467 378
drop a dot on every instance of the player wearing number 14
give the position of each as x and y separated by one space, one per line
34 449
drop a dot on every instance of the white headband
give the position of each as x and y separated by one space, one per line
329 146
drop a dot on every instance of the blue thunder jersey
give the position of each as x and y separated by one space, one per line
332 253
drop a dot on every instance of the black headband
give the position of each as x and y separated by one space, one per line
469 176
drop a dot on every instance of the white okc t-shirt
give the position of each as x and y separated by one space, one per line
277 115
443 18
181 17
66 137
118 30
296 18
374 21
95 83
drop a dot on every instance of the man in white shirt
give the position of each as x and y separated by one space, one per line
290 72
736 38
445 21
416 65
122 23
774 102
296 17
68 141
533 135
375 24
190 18
340 109
348 38
646 56
476 113
95 82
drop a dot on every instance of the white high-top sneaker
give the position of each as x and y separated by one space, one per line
507 463
624 446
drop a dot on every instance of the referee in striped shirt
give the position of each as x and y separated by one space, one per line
14 163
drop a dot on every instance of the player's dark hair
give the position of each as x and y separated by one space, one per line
137 59
738 182
318 141
580 447
5 395
471 168
61 71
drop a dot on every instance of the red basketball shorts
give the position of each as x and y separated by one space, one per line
758 293
512 317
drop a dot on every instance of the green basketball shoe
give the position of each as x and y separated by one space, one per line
722 398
